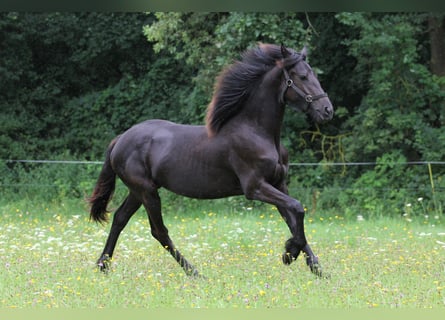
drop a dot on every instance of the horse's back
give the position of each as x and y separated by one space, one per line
149 142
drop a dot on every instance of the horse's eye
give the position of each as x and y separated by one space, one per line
303 77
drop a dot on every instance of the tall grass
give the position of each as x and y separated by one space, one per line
48 253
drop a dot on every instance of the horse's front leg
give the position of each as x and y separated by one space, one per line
293 247
298 242
312 261
293 213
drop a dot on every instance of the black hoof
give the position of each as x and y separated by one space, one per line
193 273
315 266
293 248
287 258
104 263
196 275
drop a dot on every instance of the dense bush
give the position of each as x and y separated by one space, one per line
72 81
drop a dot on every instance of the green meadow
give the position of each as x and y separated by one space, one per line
48 254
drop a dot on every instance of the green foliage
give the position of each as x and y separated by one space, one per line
109 112
47 181
404 100
209 41
73 81
398 117
380 190
83 79
50 59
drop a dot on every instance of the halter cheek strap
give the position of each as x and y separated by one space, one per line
307 97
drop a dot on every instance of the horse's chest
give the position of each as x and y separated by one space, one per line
279 174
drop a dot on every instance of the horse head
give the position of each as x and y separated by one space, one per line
306 93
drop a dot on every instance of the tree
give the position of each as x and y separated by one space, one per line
72 81
402 94
400 117
436 25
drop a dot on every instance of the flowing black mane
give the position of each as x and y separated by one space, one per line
235 83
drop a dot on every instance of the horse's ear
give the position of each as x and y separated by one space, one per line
304 52
284 52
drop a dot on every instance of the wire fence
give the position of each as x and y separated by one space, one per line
53 161
365 163
297 164
34 182
320 186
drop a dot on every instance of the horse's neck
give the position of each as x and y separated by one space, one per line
263 108
265 114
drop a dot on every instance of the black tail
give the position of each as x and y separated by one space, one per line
104 189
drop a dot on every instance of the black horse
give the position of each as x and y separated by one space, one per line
237 152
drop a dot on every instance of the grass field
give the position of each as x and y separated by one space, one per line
48 254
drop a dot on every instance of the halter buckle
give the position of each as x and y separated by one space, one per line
289 82
308 98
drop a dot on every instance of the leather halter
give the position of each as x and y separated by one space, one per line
307 97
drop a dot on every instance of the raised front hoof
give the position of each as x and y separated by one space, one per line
287 258
103 264
293 248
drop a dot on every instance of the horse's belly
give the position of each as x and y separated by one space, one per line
202 185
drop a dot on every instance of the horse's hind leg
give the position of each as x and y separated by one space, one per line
120 220
152 203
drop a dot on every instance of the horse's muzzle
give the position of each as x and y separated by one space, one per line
322 113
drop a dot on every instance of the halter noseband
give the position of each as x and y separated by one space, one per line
307 97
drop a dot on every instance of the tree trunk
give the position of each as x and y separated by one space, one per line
436 26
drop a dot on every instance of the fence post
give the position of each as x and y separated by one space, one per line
431 176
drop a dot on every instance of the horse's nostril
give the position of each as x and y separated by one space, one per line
328 111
